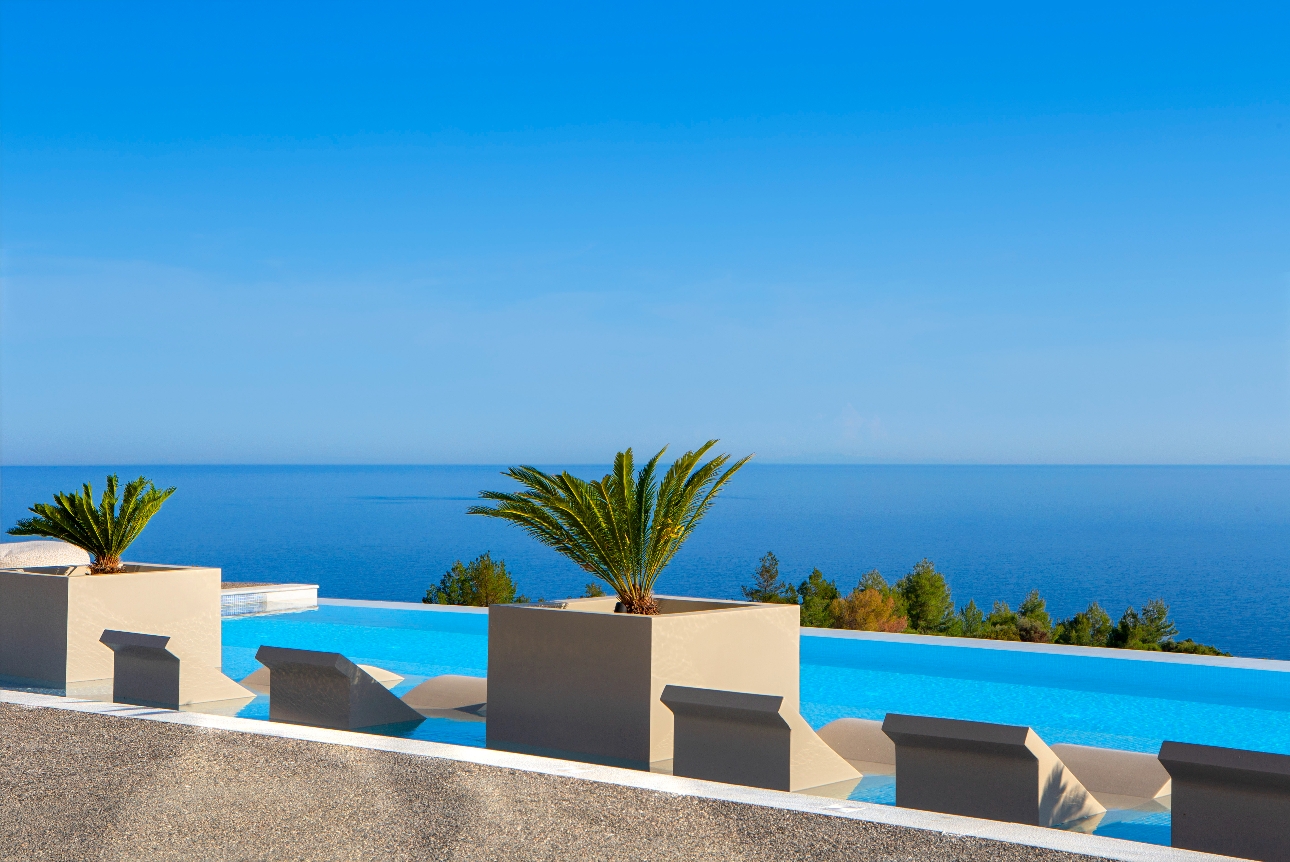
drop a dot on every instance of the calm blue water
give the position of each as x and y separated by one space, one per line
1113 703
1214 542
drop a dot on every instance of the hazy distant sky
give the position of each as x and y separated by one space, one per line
315 233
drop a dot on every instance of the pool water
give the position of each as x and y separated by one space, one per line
1086 698
1125 701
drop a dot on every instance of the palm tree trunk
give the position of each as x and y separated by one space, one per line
637 602
105 565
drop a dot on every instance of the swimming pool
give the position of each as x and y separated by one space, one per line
1108 698
1113 699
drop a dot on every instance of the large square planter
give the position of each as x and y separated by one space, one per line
51 619
585 682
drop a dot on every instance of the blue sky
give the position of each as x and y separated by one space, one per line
263 233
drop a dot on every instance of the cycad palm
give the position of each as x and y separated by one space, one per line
623 529
104 531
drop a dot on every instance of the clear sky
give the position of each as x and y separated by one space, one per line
384 233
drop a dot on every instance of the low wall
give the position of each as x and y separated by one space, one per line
95 781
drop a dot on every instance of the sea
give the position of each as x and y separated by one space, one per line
1213 542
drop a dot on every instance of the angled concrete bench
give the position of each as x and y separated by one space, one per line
861 743
258 680
749 739
1117 779
996 771
1229 801
146 673
462 698
325 689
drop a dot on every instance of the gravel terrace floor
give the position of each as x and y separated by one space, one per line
80 786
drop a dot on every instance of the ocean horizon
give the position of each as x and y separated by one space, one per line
1212 541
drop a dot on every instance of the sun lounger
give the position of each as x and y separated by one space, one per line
996 771
146 673
464 698
258 680
1229 801
1117 779
325 689
748 739
861 743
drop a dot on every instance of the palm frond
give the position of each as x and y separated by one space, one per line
626 527
106 530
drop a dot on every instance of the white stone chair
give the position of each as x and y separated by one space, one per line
461 698
325 689
749 739
995 771
1117 779
1229 801
861 743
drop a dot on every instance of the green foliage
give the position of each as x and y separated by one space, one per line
1030 622
767 585
1145 630
1001 623
921 603
1152 629
867 609
970 622
593 591
817 600
625 528
1033 623
927 600
1090 627
873 580
104 531
479 583
1191 647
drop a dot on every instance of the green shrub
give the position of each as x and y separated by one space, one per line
767 585
479 583
1090 627
1191 647
867 610
927 600
817 600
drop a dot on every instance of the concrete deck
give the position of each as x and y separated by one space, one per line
98 782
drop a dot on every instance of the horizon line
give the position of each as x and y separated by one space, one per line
393 464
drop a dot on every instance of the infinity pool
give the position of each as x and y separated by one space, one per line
1113 699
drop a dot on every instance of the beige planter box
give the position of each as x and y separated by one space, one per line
51 619
585 682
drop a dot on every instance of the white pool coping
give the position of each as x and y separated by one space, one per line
402 606
946 824
266 588
1265 664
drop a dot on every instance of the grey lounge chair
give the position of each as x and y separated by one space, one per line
1229 801
749 739
146 673
996 771
325 689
